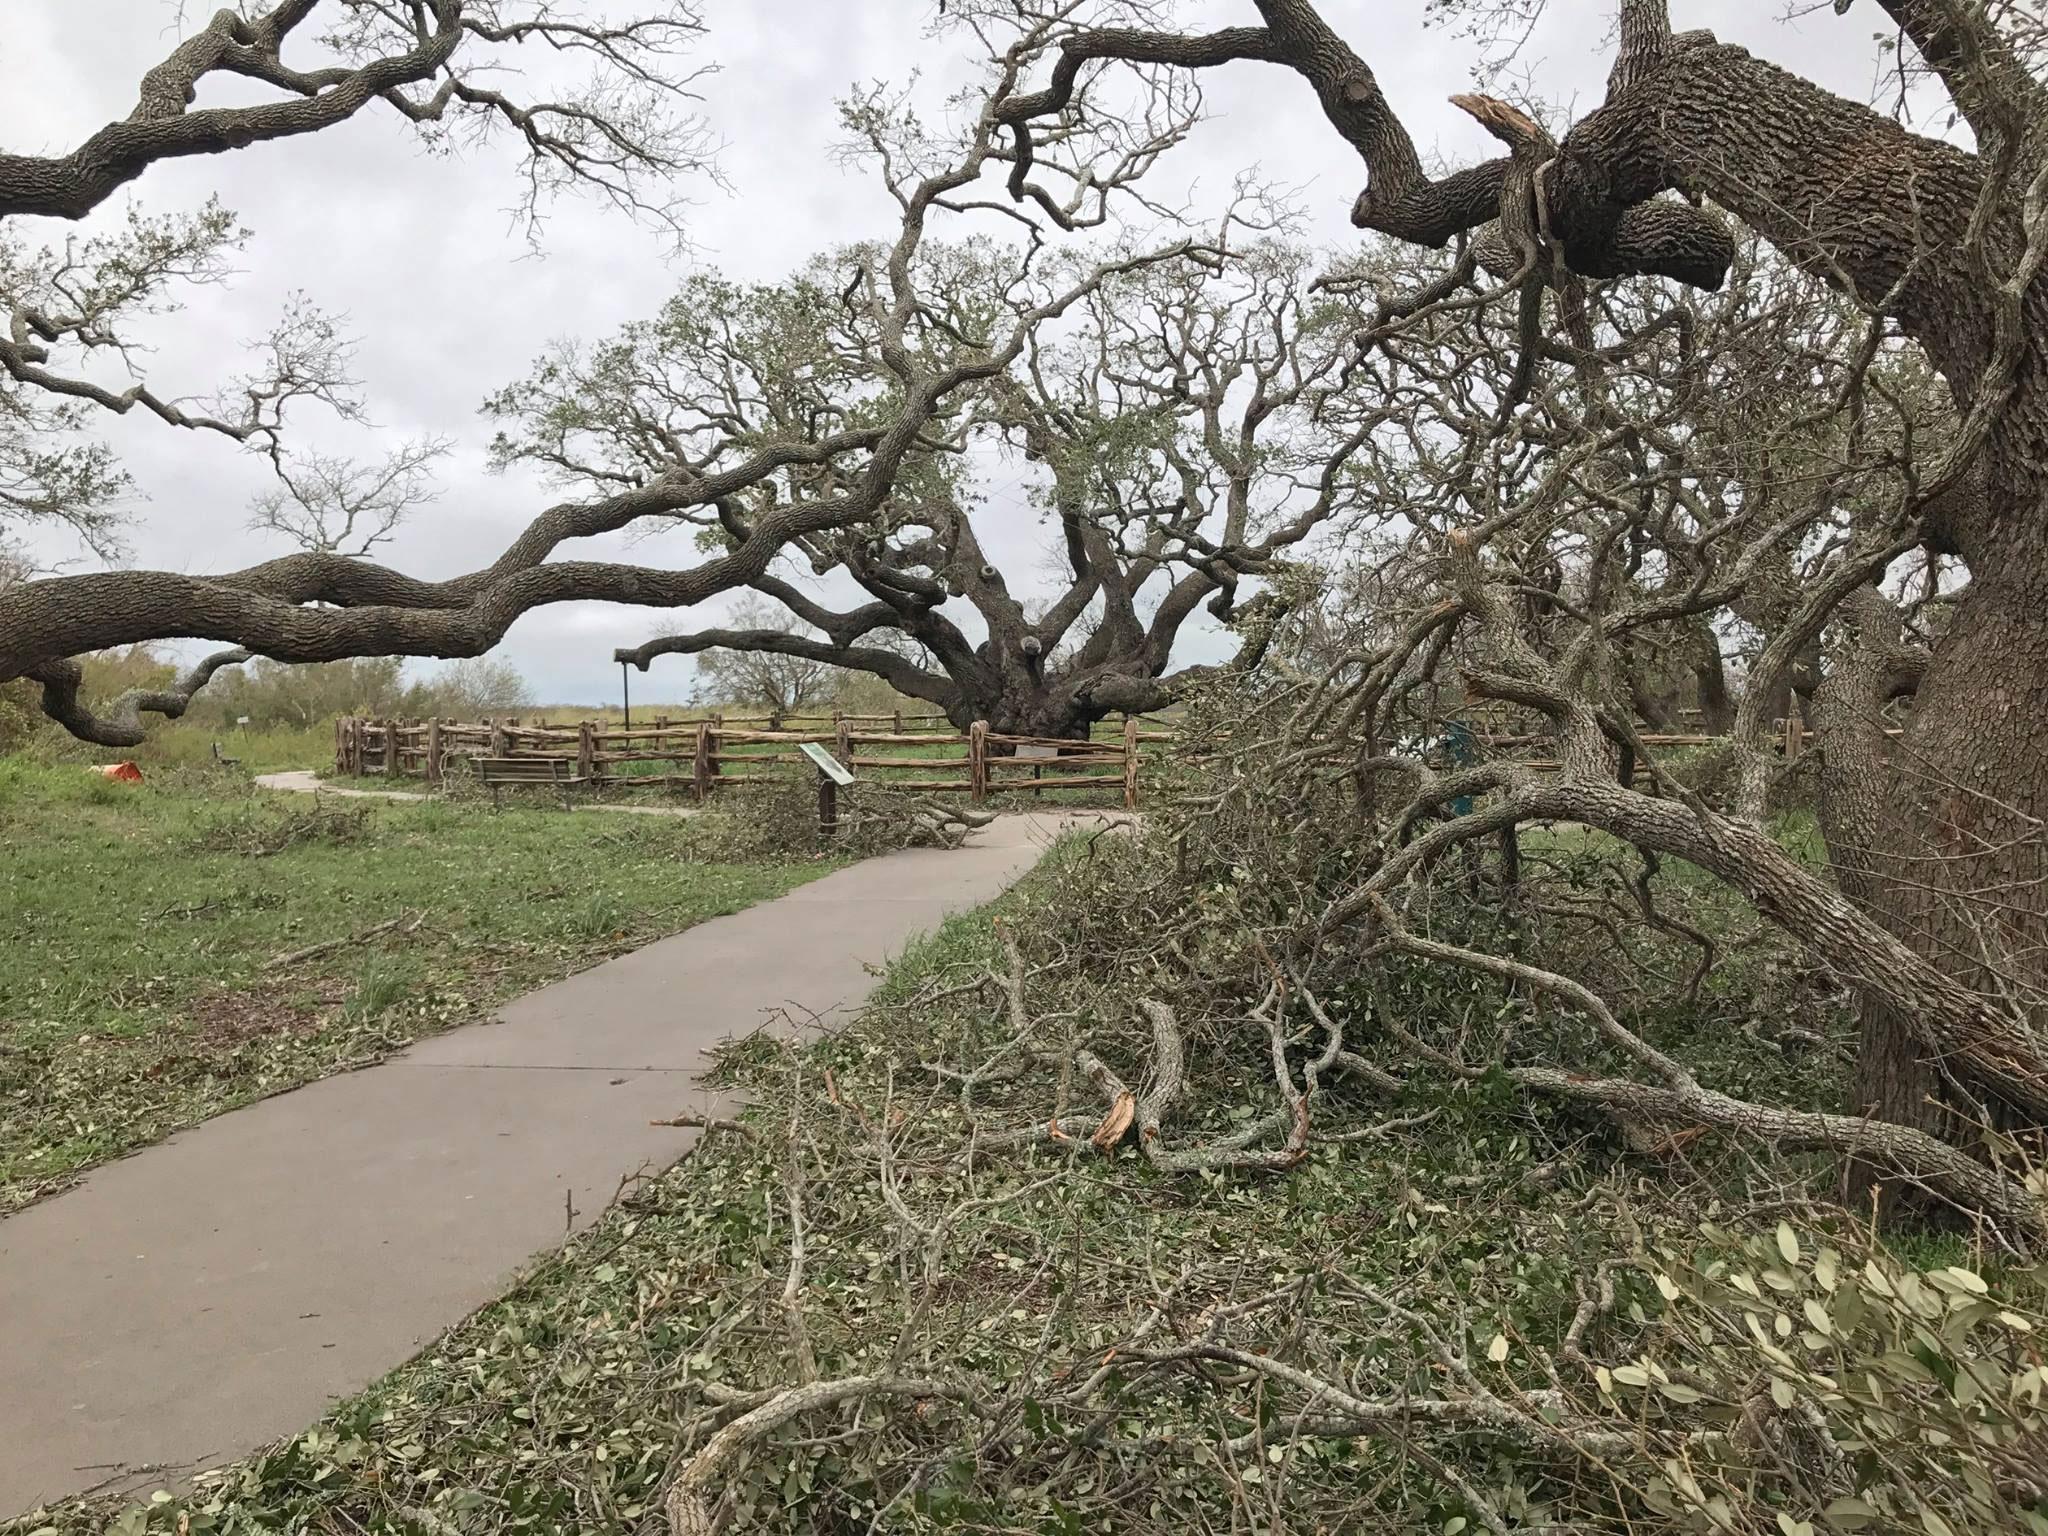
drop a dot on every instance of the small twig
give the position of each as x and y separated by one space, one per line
208 905
294 956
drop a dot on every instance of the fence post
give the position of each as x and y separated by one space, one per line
434 750
500 746
977 761
700 770
390 748
1130 764
899 722
1793 732
845 742
586 751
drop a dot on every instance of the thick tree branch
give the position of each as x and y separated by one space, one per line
163 126
902 675
119 723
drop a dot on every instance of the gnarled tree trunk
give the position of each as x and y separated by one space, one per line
1957 865
1942 829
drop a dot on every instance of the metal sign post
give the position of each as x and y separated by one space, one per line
831 774
626 691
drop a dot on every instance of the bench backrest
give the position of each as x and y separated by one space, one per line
533 769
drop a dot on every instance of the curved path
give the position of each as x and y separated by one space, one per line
304 781
188 1304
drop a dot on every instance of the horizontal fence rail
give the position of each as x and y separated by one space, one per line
704 756
897 751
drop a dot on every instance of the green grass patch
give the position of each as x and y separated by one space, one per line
141 992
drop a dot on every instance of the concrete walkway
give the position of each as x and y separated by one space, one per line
304 781
193 1302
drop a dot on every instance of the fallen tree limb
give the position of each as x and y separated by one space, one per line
2020 1216
689 1505
328 946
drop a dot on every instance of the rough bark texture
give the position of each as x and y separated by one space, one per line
1939 239
1957 852
1897 1078
1956 864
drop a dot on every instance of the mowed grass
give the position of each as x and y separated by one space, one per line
144 925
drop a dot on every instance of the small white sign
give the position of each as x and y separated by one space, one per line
1028 751
828 765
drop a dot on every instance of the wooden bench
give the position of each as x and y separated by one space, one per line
500 771
224 761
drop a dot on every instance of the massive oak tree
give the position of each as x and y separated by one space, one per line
1182 440
1939 831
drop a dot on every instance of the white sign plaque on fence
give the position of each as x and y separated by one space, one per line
1028 751
828 765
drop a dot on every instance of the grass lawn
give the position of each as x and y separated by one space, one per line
143 989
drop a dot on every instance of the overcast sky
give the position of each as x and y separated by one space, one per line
450 301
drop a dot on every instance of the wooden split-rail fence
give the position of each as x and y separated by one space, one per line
907 752
700 757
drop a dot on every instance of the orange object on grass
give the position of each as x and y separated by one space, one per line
127 773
